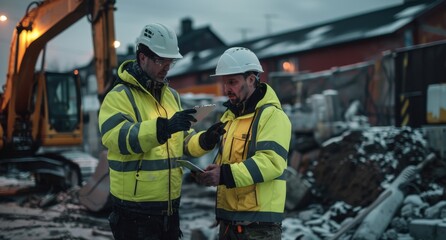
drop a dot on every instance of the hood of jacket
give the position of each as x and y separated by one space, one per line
131 73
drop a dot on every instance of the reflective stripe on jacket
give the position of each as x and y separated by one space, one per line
141 169
256 147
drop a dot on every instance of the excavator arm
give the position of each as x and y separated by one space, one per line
20 115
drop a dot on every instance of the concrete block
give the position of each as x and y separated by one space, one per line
428 229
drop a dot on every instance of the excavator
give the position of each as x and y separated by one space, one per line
40 112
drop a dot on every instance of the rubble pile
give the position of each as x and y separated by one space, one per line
357 165
352 177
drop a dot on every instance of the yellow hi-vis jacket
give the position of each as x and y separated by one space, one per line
255 146
142 170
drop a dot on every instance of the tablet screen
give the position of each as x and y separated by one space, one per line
190 165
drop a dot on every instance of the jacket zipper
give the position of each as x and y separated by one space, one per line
248 135
136 177
169 202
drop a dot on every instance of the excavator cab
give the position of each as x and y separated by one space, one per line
62 115
63 102
55 113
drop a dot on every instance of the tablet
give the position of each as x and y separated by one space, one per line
190 165
202 112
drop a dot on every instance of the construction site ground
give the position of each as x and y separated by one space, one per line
331 190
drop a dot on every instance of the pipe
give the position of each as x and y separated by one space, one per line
376 222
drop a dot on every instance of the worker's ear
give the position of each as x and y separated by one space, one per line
252 79
142 57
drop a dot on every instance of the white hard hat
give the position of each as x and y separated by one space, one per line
160 39
237 60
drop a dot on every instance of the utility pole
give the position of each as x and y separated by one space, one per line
244 32
268 18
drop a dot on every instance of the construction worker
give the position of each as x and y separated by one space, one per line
145 131
252 157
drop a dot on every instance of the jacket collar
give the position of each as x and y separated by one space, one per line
153 86
136 71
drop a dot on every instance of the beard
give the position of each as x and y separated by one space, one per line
157 78
235 101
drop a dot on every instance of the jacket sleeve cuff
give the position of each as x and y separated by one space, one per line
161 130
226 177
203 143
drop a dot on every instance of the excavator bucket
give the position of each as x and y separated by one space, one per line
95 194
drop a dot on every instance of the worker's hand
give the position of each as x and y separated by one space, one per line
209 138
210 176
181 121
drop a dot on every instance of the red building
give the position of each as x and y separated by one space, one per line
323 46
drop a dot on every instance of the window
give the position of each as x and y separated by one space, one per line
288 65
63 101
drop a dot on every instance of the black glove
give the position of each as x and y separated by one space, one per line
209 138
180 121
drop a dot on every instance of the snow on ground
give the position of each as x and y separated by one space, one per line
62 217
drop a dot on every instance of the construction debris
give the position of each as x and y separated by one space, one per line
329 196
358 178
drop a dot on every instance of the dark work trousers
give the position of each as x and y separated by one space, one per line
253 231
135 226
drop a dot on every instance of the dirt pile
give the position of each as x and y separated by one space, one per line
353 170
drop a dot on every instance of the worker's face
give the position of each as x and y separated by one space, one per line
237 88
156 67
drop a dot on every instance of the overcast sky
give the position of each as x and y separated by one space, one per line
232 20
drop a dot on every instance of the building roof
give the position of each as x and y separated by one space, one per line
363 26
198 39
